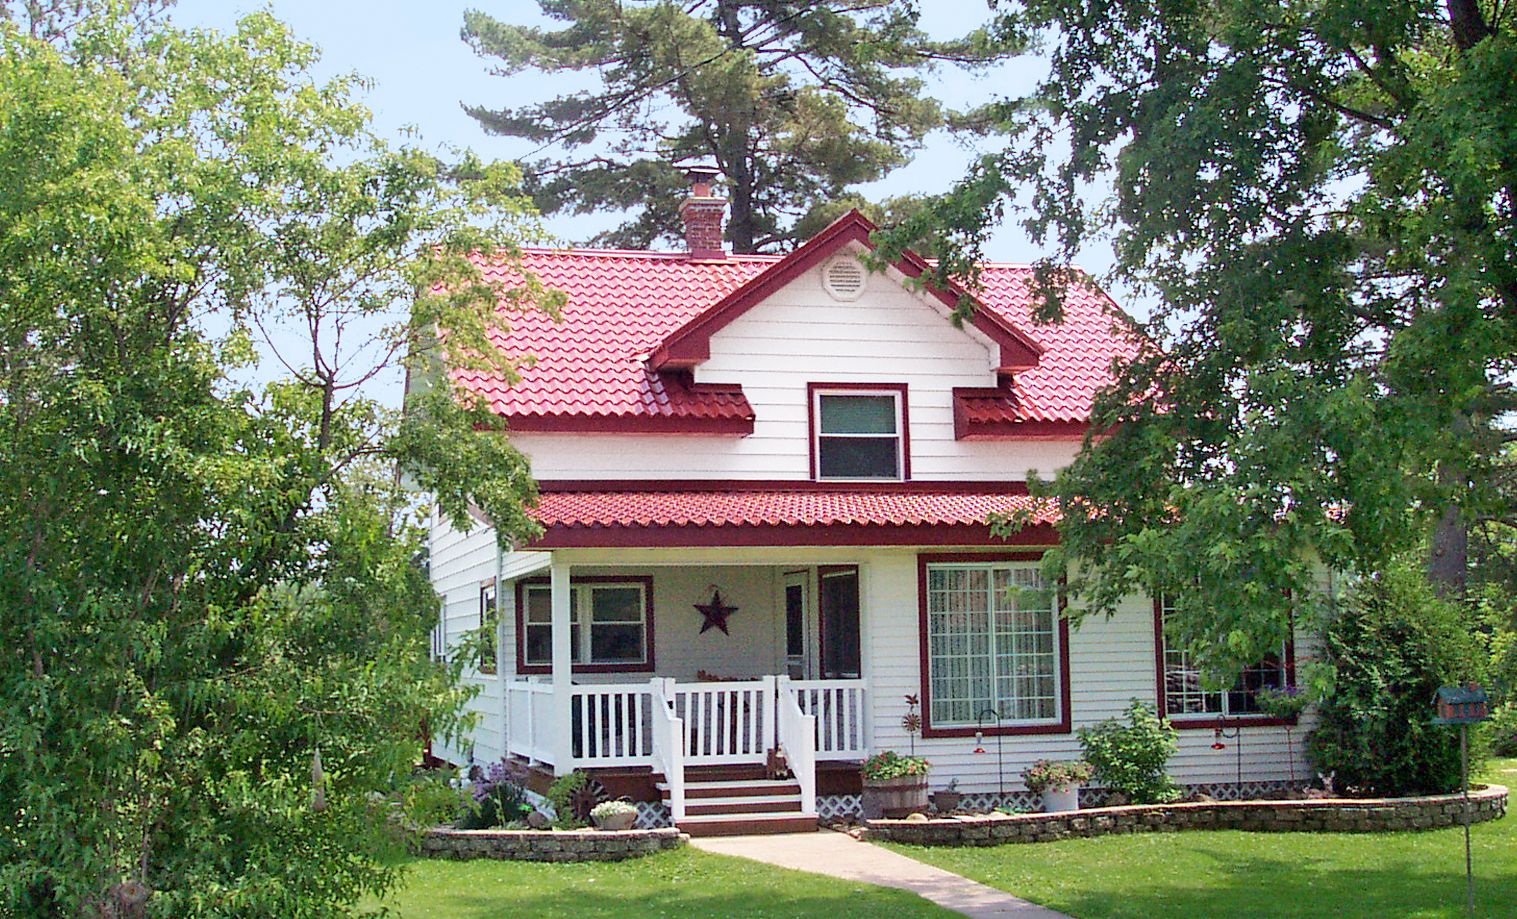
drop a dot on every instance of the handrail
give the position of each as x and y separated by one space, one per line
668 736
797 737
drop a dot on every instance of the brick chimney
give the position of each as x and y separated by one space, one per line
702 213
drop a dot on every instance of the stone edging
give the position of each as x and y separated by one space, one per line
1340 815
548 845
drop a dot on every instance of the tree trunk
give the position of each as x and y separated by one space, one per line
1447 562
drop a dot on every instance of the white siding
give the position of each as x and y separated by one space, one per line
1111 661
460 562
801 335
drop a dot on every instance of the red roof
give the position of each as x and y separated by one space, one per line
749 513
594 370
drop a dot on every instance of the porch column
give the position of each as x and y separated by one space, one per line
563 662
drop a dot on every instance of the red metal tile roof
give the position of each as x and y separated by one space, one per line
621 306
781 514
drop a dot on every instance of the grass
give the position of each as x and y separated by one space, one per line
1235 874
685 883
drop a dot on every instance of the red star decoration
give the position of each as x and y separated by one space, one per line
716 613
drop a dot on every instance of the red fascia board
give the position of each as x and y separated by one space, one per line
694 536
690 344
630 424
697 486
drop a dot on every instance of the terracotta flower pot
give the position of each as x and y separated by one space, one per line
895 797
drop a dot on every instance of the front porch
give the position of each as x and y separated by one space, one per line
621 671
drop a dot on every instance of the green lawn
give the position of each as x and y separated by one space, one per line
685 883
1343 876
1191 875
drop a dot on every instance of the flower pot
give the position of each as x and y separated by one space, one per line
616 821
946 801
895 797
1057 800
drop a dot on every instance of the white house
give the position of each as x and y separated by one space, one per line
764 490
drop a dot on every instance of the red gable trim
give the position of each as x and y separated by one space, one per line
690 344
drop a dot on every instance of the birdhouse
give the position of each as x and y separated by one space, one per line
1461 705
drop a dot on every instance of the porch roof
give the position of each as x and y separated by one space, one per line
784 513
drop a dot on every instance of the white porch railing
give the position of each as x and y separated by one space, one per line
719 723
796 735
529 720
667 735
725 723
841 719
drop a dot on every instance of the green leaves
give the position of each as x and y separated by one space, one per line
797 103
1320 200
202 581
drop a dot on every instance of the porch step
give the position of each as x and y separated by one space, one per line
735 789
746 824
752 804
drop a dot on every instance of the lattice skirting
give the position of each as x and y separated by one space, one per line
655 814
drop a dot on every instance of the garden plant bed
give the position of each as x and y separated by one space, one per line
1342 815
548 845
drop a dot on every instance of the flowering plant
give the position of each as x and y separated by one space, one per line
1045 774
892 765
497 796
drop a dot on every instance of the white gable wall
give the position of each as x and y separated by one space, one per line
802 335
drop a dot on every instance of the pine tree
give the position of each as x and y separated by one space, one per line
796 102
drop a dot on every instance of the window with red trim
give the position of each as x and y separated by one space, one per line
858 434
993 644
1186 699
609 626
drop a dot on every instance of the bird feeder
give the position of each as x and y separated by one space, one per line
1462 705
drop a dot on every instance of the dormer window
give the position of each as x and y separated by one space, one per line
859 432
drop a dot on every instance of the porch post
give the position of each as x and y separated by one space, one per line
563 678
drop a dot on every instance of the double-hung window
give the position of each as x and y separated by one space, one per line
609 624
993 645
860 433
1186 699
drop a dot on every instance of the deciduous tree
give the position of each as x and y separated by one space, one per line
204 582
1321 198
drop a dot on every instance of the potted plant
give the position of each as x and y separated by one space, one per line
614 815
1058 782
947 799
894 785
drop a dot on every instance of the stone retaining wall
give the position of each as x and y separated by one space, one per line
1341 815
549 845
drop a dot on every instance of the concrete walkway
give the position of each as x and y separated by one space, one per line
841 856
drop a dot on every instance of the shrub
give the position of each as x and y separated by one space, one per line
1501 731
892 765
573 796
498 797
1390 646
1130 757
1045 774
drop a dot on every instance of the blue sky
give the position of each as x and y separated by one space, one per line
422 72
